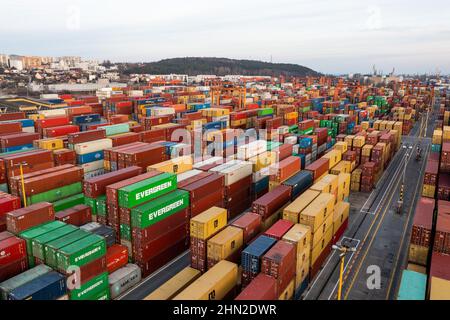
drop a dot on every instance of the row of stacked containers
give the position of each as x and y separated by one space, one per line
427 275
118 198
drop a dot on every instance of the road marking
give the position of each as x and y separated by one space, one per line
370 243
391 280
154 274
345 268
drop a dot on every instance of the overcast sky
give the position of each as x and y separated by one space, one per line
330 36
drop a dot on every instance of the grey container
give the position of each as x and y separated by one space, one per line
123 279
12 283
108 233
91 226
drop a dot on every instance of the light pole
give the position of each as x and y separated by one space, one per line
343 250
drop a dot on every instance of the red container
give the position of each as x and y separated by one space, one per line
8 203
153 135
126 138
18 139
36 160
86 136
10 127
77 215
51 122
423 222
272 201
193 179
279 229
151 249
64 156
442 237
33 215
12 249
439 266
319 167
142 237
306 124
250 223
12 269
160 259
279 263
116 257
12 116
203 187
96 186
284 151
285 169
431 172
90 270
214 199
60 131
263 287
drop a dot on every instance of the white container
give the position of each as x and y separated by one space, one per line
92 146
238 172
159 111
291 140
260 174
295 148
91 226
180 149
207 161
94 173
252 149
123 279
188 174
92 166
28 129
53 112
225 166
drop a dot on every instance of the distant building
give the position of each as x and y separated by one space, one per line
4 58
15 62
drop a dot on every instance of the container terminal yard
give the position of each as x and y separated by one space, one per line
256 188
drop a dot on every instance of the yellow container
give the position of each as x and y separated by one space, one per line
300 236
225 243
341 213
291 115
355 186
292 211
329 184
349 140
302 271
215 112
390 125
439 289
343 186
288 294
365 125
418 254
51 144
342 167
367 150
376 125
334 156
416 268
263 160
273 185
317 211
341 146
164 125
175 285
359 141
237 123
428 191
215 284
176 165
325 241
437 136
318 234
208 223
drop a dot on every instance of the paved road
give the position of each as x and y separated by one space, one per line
378 233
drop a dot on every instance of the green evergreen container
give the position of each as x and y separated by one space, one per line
69 202
265 112
56 194
30 234
150 213
52 247
38 243
146 190
101 205
81 252
91 202
91 289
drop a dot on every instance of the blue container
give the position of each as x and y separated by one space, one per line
305 143
91 118
251 256
218 125
301 289
261 185
17 148
49 286
168 145
299 183
90 157
413 286
108 233
26 123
